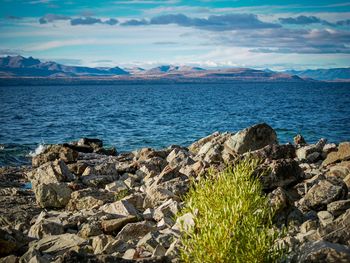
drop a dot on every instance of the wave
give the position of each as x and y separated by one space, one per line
38 150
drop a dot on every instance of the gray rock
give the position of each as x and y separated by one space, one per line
54 245
342 154
115 225
54 152
121 207
337 231
325 217
89 198
322 251
325 192
90 229
252 138
338 207
51 172
279 173
52 195
44 227
134 231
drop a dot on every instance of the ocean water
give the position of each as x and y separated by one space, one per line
133 116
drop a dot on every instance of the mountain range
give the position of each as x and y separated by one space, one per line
19 67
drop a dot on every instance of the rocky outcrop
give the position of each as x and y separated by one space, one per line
252 138
123 208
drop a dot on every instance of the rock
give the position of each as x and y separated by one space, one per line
325 192
52 195
323 251
89 198
53 246
275 152
99 181
136 199
9 259
196 146
338 207
90 229
279 173
91 142
308 225
54 152
340 170
149 242
77 168
168 174
179 157
299 140
311 152
342 154
44 227
134 231
329 147
278 200
115 225
148 214
337 231
117 187
252 138
12 241
51 172
122 207
168 209
130 254
156 195
325 217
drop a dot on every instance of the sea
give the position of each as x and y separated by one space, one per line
129 117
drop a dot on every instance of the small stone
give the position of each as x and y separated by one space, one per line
52 195
323 251
343 153
308 225
133 231
338 207
325 217
121 207
115 225
129 254
325 192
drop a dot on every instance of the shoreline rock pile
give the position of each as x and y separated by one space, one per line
90 204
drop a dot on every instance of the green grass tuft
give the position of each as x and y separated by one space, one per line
233 220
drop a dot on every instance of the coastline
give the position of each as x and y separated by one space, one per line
111 205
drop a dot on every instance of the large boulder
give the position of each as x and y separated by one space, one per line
52 195
49 247
51 172
89 198
337 231
324 192
342 154
54 152
279 173
252 138
323 251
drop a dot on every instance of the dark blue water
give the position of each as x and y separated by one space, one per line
134 116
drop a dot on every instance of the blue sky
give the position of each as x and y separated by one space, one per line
260 34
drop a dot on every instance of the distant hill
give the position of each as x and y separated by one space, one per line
333 74
21 67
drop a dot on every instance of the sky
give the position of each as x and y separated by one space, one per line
258 34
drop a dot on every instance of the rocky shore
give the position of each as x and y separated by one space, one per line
80 202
